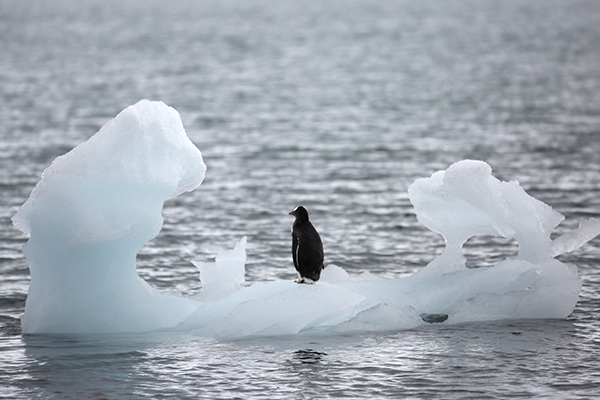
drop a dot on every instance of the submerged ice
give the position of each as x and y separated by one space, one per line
97 205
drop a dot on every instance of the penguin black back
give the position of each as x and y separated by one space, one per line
307 248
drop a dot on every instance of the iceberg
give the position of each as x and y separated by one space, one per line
90 214
97 205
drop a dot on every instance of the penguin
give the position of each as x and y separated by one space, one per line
307 248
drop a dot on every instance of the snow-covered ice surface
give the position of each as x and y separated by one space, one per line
98 204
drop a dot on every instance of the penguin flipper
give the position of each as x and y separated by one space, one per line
295 251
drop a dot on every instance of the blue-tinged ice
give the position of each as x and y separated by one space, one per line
90 214
97 205
224 276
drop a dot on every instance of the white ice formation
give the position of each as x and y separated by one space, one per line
98 204
88 217
224 276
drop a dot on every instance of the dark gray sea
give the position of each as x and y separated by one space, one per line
336 105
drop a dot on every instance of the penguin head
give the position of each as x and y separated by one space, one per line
300 213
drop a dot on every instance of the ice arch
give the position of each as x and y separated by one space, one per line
466 200
98 204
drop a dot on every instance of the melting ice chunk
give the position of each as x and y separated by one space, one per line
588 229
224 276
466 200
98 204
93 210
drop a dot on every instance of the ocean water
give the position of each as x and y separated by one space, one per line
335 105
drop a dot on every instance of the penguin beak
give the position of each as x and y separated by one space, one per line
291 213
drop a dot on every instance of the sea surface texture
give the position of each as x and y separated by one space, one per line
335 105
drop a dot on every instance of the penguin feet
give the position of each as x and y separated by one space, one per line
307 282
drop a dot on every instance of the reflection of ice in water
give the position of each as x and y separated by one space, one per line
97 205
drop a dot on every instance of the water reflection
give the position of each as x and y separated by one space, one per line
307 373
308 356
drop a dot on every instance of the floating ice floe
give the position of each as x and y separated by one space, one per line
97 205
